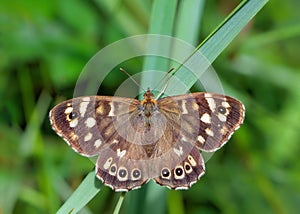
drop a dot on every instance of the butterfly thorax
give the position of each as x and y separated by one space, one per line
149 106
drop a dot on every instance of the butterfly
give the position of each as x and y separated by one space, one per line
137 141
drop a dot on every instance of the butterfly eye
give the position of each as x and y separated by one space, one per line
187 167
73 115
122 173
136 174
165 173
113 169
222 110
179 171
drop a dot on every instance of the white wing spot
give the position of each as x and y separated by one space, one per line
98 143
179 151
183 105
184 139
211 102
68 110
74 123
201 139
205 118
195 106
82 108
121 153
115 141
223 130
225 104
90 122
73 136
112 110
209 132
222 117
86 99
107 163
192 160
88 136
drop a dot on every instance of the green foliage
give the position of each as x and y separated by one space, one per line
44 47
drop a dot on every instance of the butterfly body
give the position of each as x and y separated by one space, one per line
149 105
150 139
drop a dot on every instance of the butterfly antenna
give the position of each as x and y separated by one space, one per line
125 72
167 83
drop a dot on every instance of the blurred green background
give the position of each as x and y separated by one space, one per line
44 45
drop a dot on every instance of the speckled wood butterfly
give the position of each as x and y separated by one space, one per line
150 139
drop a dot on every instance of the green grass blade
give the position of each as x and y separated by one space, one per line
82 195
161 22
188 20
217 41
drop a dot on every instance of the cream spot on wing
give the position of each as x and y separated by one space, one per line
98 143
112 110
222 117
115 141
201 139
211 102
195 106
192 160
88 136
179 151
225 104
223 130
209 132
100 109
73 136
205 118
86 99
74 123
183 105
121 153
183 138
90 122
68 110
82 108
107 163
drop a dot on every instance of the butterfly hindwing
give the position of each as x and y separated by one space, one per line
185 173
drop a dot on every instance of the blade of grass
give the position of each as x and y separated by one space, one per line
188 20
82 195
119 204
161 22
217 41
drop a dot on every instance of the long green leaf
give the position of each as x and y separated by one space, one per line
82 195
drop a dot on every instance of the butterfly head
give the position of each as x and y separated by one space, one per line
148 98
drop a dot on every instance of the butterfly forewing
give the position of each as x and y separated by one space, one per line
137 141
208 119
86 123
